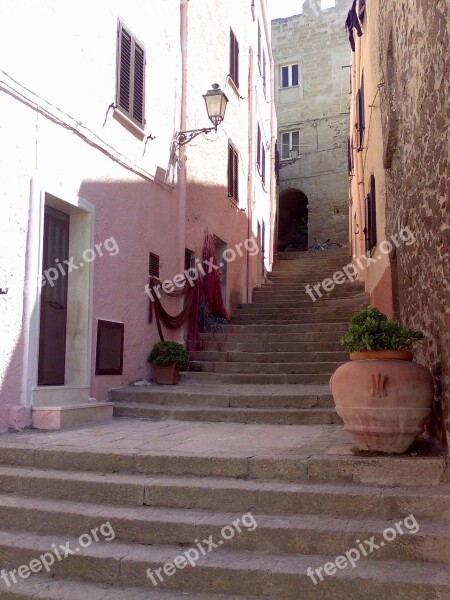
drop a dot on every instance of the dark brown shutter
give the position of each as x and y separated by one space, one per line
373 214
124 69
138 83
230 171
153 265
360 116
258 149
234 58
235 175
263 166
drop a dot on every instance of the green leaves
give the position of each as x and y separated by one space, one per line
372 330
166 354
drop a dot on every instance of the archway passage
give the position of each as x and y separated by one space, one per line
293 221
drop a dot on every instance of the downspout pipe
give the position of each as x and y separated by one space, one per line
182 178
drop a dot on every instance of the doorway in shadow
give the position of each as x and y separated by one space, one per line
293 221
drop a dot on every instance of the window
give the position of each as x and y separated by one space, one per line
234 59
264 75
233 172
289 75
153 265
360 116
258 148
370 217
259 47
289 141
109 355
130 92
263 165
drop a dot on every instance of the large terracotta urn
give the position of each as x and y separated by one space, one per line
384 403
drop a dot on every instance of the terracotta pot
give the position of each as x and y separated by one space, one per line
166 375
384 403
381 355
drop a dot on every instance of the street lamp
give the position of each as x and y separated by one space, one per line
294 158
216 105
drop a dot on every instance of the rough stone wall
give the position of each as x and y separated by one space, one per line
318 109
413 55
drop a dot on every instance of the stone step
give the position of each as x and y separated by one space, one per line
306 306
212 414
228 462
273 319
313 312
264 367
225 570
275 338
231 495
329 326
260 378
62 588
233 396
270 357
275 534
262 347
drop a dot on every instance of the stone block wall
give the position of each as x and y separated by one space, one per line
413 54
318 109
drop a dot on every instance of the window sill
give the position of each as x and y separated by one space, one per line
289 87
233 86
129 124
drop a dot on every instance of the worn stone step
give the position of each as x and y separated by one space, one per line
270 357
265 304
260 378
264 347
274 319
261 336
232 395
289 534
331 326
62 588
315 312
271 416
225 570
230 450
264 367
235 495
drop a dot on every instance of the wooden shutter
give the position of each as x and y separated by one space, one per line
264 74
124 54
153 265
130 96
263 166
230 171
138 83
370 217
234 58
235 175
360 116
258 148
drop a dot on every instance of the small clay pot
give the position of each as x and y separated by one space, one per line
166 375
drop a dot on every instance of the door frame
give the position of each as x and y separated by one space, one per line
84 221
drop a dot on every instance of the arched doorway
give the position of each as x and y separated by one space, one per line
292 221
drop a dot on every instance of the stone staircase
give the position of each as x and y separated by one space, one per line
201 455
272 363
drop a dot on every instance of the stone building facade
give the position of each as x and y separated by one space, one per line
311 57
400 64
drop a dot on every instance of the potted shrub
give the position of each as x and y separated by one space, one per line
382 396
167 359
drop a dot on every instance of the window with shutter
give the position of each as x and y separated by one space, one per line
263 165
370 217
360 116
234 59
153 265
258 148
264 75
130 94
233 172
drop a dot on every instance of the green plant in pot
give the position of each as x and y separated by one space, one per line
168 358
382 396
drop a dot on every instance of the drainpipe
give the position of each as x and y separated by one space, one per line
182 180
250 168
273 133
